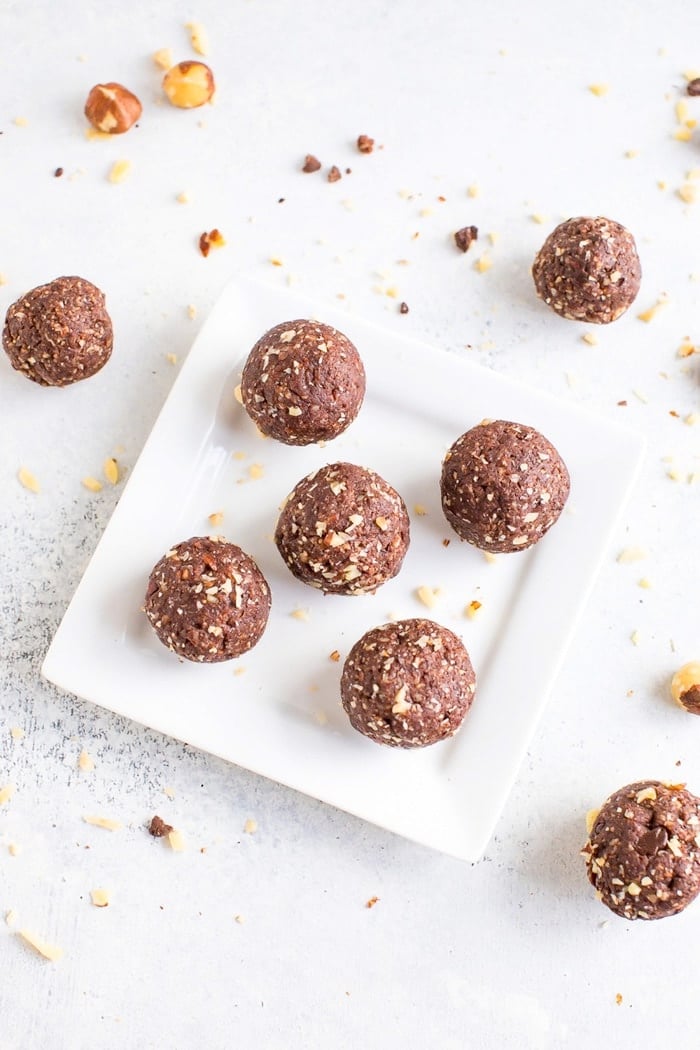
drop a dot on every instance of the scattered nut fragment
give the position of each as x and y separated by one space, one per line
693 87
473 191
250 826
52 952
101 898
189 85
85 762
334 174
650 314
483 263
403 308
472 610
158 828
176 840
119 171
256 471
335 656
632 554
598 89
428 596
112 108
371 902
191 311
311 163
300 614
216 518
27 480
110 469
92 484
685 687
688 193
198 37
163 58
14 849
465 237
590 338
103 822
365 144
17 733
213 239
171 359
10 917
6 793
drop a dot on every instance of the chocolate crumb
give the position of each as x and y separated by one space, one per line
158 828
281 200
403 308
694 86
365 144
622 404
334 174
348 171
465 237
58 172
311 163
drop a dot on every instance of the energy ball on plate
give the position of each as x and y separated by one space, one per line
303 382
344 530
408 683
588 270
59 332
207 600
503 486
642 853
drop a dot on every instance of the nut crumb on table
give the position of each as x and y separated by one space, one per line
158 828
52 952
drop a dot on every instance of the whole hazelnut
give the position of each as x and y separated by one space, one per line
112 108
189 84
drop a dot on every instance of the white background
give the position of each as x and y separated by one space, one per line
511 952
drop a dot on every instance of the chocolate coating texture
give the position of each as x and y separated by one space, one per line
503 486
408 683
344 530
588 270
643 850
59 332
303 382
207 600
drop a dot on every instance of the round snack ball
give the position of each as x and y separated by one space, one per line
207 600
303 382
642 853
344 530
408 683
588 270
59 332
503 486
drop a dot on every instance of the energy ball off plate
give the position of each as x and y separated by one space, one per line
207 600
344 530
643 853
59 333
303 382
503 486
407 684
588 270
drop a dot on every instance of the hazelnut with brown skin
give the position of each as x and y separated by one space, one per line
685 687
189 85
112 108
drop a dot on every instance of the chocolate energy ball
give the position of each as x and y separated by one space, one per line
59 332
643 850
344 530
588 270
207 600
408 683
503 486
303 382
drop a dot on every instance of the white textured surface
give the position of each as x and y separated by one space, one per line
514 952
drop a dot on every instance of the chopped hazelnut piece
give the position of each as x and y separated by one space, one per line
92 484
365 144
256 471
198 37
250 826
110 469
27 480
216 518
334 174
119 171
101 898
163 58
213 239
428 596
311 163
371 902
17 733
472 610
189 85
103 822
483 263
632 554
112 108
6 793
465 237
158 828
176 841
693 87
335 656
52 952
85 762
598 89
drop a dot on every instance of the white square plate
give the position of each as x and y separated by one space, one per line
276 711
